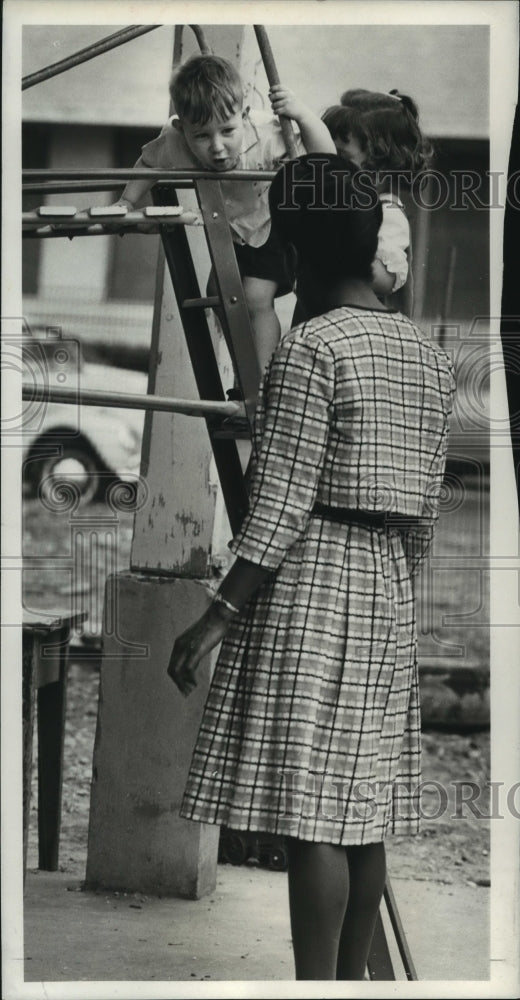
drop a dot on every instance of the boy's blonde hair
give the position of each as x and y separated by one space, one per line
205 87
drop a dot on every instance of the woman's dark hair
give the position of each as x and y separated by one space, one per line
333 223
386 127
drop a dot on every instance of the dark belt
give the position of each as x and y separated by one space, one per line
366 518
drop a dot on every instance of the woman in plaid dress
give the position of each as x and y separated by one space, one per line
311 727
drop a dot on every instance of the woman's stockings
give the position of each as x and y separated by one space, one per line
318 893
367 867
334 896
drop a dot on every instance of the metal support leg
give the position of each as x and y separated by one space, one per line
51 727
380 966
379 961
28 700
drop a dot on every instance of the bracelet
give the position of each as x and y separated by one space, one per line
218 599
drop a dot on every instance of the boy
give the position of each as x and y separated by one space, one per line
213 131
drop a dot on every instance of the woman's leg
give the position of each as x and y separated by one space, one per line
318 894
367 871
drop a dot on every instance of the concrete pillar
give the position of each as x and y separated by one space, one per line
145 736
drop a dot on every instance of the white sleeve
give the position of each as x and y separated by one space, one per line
393 242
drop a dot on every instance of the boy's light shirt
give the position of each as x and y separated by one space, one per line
246 202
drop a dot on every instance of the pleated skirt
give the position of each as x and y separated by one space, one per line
311 727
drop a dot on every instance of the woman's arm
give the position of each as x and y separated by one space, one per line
315 135
238 586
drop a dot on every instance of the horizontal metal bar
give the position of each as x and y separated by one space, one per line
82 220
51 233
129 401
89 52
143 173
71 227
71 187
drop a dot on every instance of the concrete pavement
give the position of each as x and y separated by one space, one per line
238 933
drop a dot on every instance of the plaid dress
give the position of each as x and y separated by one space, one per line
311 727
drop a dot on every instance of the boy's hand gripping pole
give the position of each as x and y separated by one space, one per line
273 78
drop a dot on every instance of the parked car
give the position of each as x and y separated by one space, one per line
89 446
236 847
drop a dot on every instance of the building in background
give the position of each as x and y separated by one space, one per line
100 114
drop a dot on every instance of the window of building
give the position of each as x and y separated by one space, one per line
133 261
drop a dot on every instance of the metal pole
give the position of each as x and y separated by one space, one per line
400 937
273 78
68 187
89 52
199 35
420 255
141 173
128 400
448 298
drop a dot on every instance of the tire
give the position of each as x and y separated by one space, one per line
77 465
235 848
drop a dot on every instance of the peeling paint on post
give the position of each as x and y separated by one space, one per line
173 531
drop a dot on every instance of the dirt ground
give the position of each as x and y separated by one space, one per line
449 850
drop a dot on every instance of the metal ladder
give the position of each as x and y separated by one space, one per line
234 318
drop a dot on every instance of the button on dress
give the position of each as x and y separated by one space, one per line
311 727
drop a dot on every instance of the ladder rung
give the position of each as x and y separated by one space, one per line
202 303
240 431
230 436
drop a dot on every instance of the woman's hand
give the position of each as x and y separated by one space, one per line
240 583
195 643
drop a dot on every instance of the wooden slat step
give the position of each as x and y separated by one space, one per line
203 303
57 211
107 211
156 211
232 429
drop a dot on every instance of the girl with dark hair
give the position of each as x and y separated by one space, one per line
381 134
311 728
